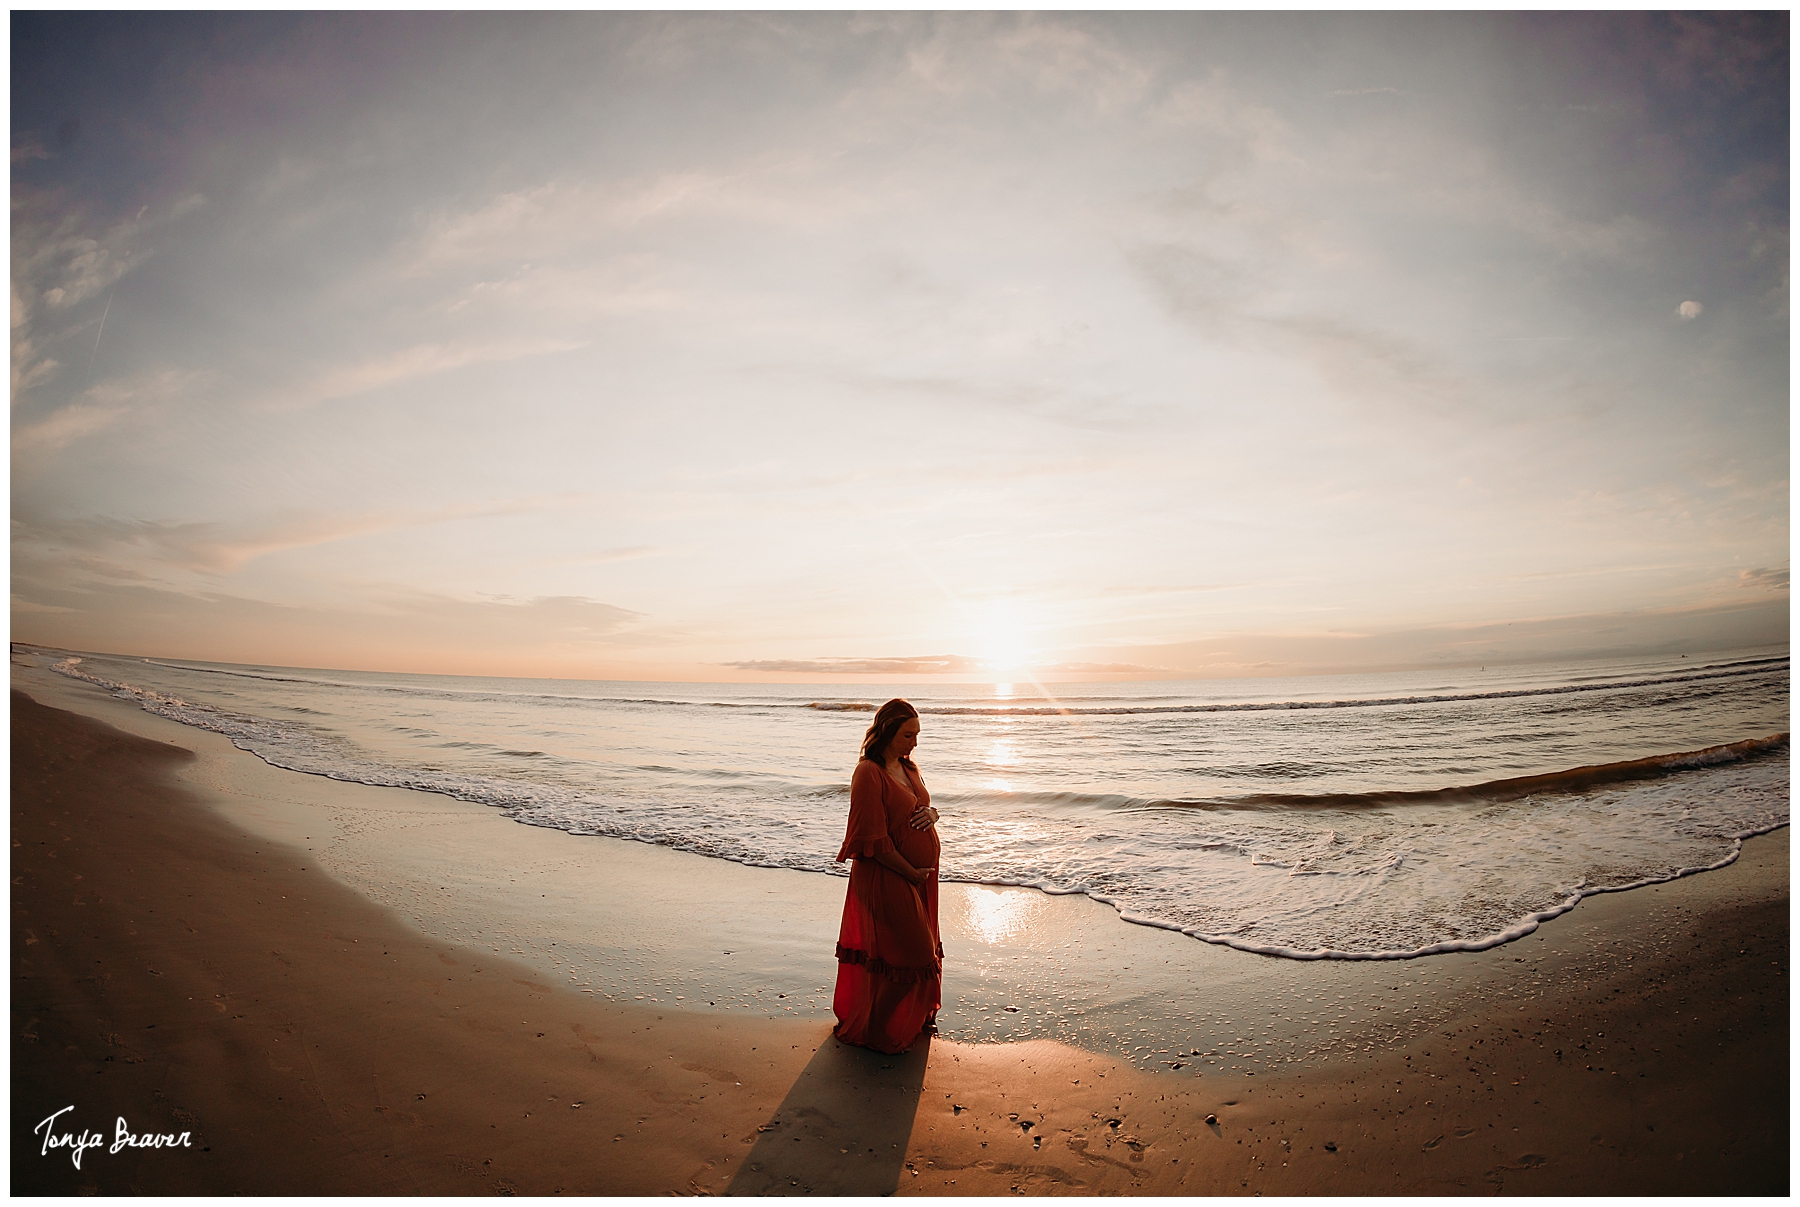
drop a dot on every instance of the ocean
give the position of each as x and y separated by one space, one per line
1379 816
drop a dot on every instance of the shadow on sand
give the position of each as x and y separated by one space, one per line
842 1129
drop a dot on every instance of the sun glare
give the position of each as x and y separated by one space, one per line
1000 642
995 915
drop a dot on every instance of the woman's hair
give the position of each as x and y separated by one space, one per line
888 720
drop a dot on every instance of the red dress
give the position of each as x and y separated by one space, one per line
890 960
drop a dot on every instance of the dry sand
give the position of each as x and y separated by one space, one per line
318 1023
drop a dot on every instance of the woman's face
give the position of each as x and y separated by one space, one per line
904 739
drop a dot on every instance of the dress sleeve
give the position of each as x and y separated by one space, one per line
867 833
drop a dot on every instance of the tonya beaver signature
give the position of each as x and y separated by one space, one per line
79 1142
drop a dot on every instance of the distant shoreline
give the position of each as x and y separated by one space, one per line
1773 649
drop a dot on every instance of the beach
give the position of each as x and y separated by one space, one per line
197 950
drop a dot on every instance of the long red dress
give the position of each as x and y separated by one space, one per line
890 960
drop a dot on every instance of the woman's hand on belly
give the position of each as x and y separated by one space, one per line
924 818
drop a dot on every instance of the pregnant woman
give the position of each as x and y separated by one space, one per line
890 962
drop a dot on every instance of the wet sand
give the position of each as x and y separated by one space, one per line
318 1024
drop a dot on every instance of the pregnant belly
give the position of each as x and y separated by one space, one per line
918 847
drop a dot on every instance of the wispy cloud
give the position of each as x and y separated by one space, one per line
1147 591
603 556
983 53
1765 579
939 664
70 266
396 629
542 619
218 548
555 219
1245 131
1593 571
59 262
66 426
421 360
103 406
1098 668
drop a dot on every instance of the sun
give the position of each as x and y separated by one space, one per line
1002 643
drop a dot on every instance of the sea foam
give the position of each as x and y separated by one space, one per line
1375 818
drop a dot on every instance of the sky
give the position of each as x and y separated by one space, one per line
859 346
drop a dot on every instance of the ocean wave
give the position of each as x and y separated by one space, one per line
466 695
1064 710
1575 779
1272 874
1523 927
1518 929
1074 706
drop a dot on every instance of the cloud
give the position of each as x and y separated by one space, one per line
975 53
1245 131
625 554
1765 579
1690 310
941 664
551 219
1592 571
421 360
1268 318
395 629
1743 623
1195 286
1171 589
1380 367
25 606
58 264
1096 668
74 266
99 407
211 548
67 425
33 372
544 618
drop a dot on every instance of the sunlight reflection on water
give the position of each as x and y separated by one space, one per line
995 915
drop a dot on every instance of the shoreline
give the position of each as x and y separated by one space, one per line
1174 1016
1495 928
